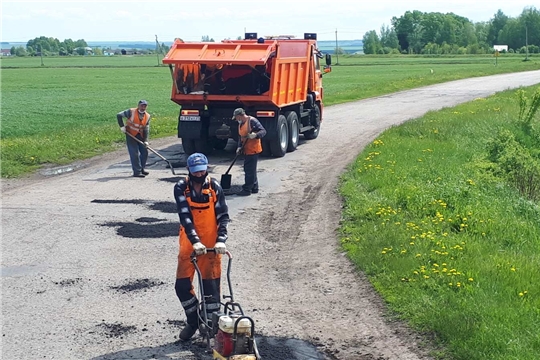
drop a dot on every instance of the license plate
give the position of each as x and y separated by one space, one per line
189 118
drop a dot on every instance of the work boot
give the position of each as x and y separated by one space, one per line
144 172
255 191
138 175
187 332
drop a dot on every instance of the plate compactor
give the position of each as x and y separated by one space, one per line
229 333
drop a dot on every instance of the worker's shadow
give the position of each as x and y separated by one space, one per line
174 350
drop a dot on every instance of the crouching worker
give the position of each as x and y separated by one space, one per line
204 218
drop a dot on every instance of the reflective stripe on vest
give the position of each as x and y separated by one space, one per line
204 218
251 146
135 124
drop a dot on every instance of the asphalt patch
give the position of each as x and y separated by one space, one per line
116 330
149 220
67 282
142 231
137 285
138 201
168 207
274 348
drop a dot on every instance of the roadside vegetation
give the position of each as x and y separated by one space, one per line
443 215
65 110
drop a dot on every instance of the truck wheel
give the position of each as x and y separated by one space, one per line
315 120
204 146
218 144
189 146
280 142
294 134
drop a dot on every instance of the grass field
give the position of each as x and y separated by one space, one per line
454 249
65 110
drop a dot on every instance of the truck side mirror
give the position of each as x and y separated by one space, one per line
328 59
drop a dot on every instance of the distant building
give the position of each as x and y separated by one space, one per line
500 48
6 52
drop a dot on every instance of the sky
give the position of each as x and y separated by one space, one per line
192 19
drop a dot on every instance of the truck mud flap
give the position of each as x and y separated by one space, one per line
189 129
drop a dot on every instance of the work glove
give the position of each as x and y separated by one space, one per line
252 135
238 151
123 129
146 143
220 248
199 248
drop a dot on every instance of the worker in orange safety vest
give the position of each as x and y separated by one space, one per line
138 125
204 217
251 132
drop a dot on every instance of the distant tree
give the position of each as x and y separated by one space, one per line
20 51
69 45
97 51
371 42
530 18
513 34
239 38
12 50
80 51
405 26
62 51
207 38
80 43
389 38
496 25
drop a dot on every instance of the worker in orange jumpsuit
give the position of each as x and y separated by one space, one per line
204 217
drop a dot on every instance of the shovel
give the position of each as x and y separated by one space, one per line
154 151
226 178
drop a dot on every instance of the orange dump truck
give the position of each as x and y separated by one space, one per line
276 79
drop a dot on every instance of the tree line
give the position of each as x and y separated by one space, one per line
417 32
48 46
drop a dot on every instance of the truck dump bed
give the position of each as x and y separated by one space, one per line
247 71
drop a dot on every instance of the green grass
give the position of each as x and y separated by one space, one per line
65 110
360 77
453 250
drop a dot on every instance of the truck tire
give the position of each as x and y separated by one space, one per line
294 133
315 121
280 142
204 146
218 144
189 146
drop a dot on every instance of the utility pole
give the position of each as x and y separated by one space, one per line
157 50
526 44
337 55
41 53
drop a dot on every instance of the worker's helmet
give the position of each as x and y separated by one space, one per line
197 162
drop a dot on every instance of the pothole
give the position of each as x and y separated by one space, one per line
137 285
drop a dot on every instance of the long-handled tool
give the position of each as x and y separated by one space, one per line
226 178
154 151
